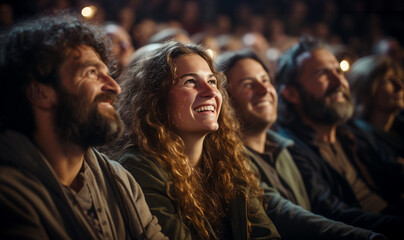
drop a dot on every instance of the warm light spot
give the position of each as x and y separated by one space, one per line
211 53
344 64
89 11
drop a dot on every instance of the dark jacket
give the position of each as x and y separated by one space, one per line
34 204
330 194
153 179
285 214
382 163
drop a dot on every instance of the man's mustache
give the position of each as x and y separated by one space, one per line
106 97
344 91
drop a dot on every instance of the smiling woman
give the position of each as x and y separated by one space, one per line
182 142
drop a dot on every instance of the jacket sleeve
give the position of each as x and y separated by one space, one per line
305 224
325 203
262 226
153 184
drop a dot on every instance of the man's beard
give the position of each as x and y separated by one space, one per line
80 122
323 111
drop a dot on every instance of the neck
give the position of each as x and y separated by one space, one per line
255 140
382 120
66 159
324 133
193 149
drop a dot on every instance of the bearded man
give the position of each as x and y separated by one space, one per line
57 103
338 164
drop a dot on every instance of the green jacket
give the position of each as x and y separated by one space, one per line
285 167
153 180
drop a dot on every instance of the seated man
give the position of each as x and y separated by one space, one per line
255 99
56 105
337 168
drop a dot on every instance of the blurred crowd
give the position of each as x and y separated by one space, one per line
354 28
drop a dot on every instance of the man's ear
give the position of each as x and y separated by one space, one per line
291 94
41 95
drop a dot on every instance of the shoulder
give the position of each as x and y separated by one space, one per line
147 171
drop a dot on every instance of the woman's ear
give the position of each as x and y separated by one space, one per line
41 95
291 94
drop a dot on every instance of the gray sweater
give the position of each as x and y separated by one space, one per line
35 205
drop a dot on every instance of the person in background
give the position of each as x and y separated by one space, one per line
182 144
338 167
57 106
170 34
377 84
122 48
255 100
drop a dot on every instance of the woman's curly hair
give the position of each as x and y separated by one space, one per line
201 192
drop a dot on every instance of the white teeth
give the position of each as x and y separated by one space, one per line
337 94
262 104
205 108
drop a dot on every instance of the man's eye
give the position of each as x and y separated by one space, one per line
247 85
92 73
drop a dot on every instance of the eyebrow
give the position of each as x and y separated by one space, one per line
253 78
99 65
194 75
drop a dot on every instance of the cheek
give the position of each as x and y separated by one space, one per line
384 91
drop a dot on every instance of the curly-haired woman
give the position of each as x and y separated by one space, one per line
182 143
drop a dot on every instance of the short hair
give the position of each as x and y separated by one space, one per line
364 77
287 69
287 72
33 51
225 61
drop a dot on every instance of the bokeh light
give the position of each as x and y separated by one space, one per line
89 11
344 65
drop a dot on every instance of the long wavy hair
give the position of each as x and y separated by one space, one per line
201 192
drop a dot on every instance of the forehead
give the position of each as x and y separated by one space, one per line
317 58
77 59
246 67
81 54
190 63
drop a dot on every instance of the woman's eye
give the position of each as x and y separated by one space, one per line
213 82
189 81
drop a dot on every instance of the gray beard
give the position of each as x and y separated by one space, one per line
324 112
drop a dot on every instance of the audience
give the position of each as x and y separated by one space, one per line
255 100
58 104
199 169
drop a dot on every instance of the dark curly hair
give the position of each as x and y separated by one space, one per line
34 50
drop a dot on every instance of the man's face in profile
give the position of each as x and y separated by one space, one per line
324 91
85 114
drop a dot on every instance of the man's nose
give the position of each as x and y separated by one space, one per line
110 85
